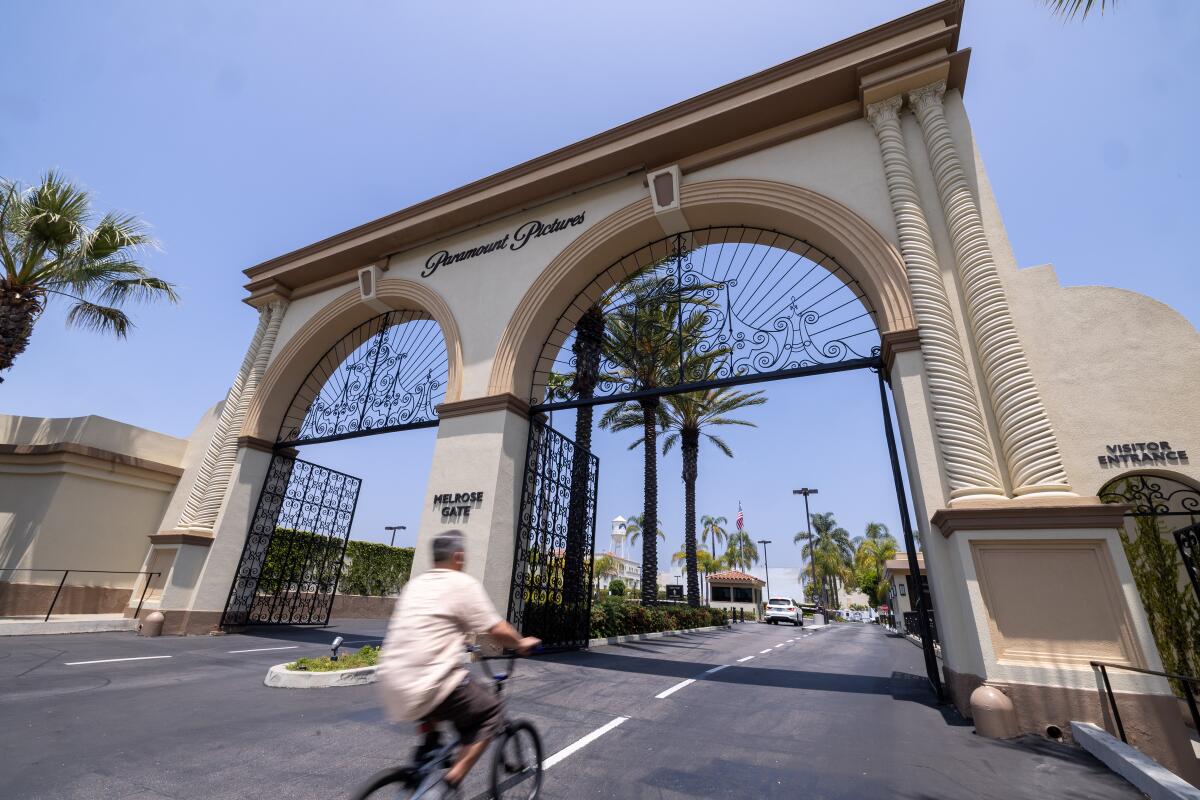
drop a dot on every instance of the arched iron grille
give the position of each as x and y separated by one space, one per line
1150 495
387 374
717 304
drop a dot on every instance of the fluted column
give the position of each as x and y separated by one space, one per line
1026 438
966 447
218 483
187 518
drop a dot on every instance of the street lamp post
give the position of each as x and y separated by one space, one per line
812 561
393 529
766 565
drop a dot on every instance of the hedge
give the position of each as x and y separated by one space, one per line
615 616
302 557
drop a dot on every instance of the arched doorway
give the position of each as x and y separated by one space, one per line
388 374
688 315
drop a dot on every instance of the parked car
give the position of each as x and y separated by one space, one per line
783 609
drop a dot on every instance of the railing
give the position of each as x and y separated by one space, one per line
67 572
912 624
1185 681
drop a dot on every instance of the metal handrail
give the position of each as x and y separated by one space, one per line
67 572
1185 680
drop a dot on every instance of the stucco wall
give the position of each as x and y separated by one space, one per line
81 494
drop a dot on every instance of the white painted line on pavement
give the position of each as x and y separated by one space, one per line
110 660
715 669
674 689
582 743
747 658
760 652
265 649
791 640
781 644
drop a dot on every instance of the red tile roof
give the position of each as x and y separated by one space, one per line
733 576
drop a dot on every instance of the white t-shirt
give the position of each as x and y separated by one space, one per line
423 656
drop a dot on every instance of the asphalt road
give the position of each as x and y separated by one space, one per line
769 712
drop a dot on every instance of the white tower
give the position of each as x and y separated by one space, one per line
618 536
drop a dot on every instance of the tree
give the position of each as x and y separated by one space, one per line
832 553
870 560
617 587
1081 8
686 417
49 247
712 528
589 334
742 552
633 528
603 566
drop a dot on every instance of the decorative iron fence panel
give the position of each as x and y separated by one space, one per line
1188 541
546 599
293 556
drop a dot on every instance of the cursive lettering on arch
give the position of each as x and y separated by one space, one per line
523 235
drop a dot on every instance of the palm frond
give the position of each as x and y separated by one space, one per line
95 317
1069 9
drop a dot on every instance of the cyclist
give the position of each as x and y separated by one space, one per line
421 667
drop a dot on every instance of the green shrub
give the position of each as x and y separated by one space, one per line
375 569
617 587
619 617
366 657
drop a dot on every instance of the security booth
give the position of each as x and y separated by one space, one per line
737 591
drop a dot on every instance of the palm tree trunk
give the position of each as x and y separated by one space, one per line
588 333
650 500
19 308
691 457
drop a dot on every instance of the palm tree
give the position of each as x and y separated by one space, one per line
712 528
742 552
832 553
633 527
1072 8
50 248
687 416
603 566
874 550
589 335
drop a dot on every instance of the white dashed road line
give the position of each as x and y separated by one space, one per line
747 658
265 649
674 689
760 652
111 660
715 669
582 743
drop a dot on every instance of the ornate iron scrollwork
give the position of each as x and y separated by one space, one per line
387 374
757 301
1150 495
292 559
541 603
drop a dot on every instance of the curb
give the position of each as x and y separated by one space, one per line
1146 774
280 677
54 627
637 637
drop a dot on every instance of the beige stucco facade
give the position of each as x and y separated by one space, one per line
1007 385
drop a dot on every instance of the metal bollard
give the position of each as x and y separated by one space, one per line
152 625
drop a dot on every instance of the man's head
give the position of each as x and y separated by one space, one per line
449 551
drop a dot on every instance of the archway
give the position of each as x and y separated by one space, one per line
388 374
685 317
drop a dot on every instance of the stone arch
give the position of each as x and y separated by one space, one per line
873 262
324 329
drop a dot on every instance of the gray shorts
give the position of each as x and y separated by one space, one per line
475 712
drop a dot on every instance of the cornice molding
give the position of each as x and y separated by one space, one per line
482 405
106 457
195 537
1087 513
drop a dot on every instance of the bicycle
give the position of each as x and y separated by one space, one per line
516 757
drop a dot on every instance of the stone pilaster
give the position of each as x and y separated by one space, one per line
218 483
224 428
963 440
1027 440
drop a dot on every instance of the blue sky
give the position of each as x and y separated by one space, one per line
244 130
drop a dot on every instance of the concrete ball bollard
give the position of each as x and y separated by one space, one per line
993 713
152 625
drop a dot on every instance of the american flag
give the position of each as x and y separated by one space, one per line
741 521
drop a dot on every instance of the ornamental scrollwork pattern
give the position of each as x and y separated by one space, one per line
1148 495
294 552
716 303
387 374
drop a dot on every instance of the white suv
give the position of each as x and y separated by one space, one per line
783 609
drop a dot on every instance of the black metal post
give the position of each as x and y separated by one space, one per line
56 593
1191 701
1112 702
931 667
766 566
145 586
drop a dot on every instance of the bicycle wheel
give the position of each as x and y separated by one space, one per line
396 783
517 763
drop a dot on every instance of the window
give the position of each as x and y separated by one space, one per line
720 594
741 594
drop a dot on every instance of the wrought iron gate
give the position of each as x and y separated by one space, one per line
551 595
292 559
